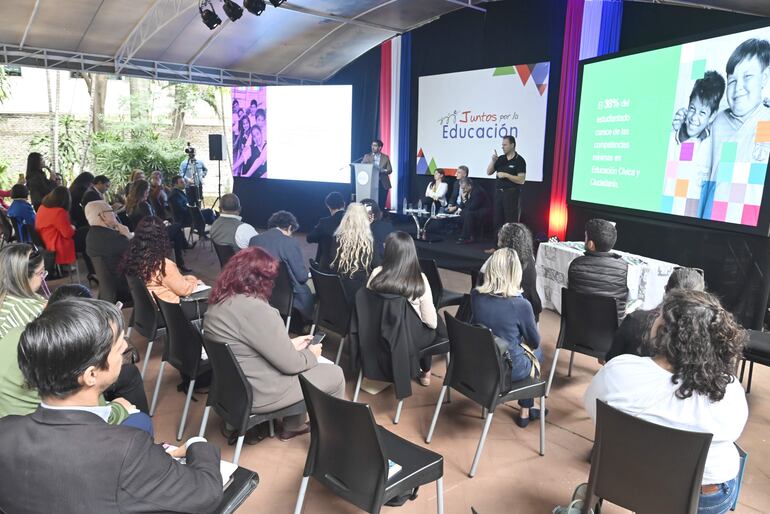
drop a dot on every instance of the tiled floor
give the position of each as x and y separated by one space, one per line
511 478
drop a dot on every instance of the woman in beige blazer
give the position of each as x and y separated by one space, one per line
239 314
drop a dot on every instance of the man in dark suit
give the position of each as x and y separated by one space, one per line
380 229
454 200
323 233
64 457
474 212
279 243
179 202
96 191
382 164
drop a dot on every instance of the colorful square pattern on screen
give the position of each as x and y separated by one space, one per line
735 192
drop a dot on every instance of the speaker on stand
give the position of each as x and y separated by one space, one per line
215 154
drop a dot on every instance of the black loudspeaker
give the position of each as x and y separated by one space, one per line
215 147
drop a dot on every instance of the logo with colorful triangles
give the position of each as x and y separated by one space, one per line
537 72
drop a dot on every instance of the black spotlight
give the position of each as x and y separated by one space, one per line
209 17
232 10
255 7
277 3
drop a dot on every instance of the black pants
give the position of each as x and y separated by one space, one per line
80 247
194 195
430 337
472 222
129 386
507 206
178 241
382 197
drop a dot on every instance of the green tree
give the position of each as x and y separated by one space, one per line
71 138
185 97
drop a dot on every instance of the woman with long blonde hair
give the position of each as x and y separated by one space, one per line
499 305
353 249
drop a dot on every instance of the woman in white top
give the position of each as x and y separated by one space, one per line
436 191
400 274
689 383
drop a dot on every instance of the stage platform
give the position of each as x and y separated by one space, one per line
447 254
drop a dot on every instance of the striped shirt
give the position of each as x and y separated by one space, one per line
17 311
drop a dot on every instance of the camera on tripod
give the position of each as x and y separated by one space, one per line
190 151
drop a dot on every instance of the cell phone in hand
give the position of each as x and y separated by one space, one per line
317 338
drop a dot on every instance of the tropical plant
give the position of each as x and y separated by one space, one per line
185 97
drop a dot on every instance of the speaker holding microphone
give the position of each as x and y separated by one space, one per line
215 147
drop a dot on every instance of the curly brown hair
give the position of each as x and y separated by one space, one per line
701 341
146 253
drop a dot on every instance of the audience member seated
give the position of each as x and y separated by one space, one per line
352 250
239 315
475 210
435 193
400 274
146 259
136 174
54 226
108 239
599 271
20 208
279 243
39 185
138 207
381 228
179 202
21 277
129 385
632 334
64 457
97 190
688 383
78 188
323 232
454 200
228 228
518 237
499 305
158 195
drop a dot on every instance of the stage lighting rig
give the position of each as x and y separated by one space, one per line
277 3
232 10
255 7
208 15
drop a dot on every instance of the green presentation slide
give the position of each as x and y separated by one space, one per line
624 129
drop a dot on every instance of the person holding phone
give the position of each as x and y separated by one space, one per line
240 315
511 172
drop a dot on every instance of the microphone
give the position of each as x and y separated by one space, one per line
360 159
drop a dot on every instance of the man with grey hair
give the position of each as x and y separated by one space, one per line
454 199
228 229
632 334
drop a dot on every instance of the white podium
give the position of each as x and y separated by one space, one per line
367 178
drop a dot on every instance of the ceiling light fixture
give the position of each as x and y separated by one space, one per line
232 10
277 3
209 17
255 7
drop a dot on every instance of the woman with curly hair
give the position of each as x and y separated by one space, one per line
689 383
353 249
518 237
240 315
146 259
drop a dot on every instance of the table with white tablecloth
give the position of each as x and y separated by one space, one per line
647 277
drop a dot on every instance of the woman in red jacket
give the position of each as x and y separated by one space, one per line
54 226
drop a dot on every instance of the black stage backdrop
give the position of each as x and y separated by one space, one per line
511 32
260 198
736 266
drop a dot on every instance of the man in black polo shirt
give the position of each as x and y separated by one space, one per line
511 172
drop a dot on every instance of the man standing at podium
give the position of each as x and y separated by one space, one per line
382 165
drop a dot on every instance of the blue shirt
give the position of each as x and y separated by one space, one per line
22 210
509 318
188 173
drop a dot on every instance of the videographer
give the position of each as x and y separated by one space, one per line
193 171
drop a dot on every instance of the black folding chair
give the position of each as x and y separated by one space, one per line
474 371
198 224
183 351
20 231
350 455
231 396
441 297
145 317
224 253
588 324
10 230
632 457
333 306
282 297
108 283
757 350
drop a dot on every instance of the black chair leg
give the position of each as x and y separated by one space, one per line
751 372
743 368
